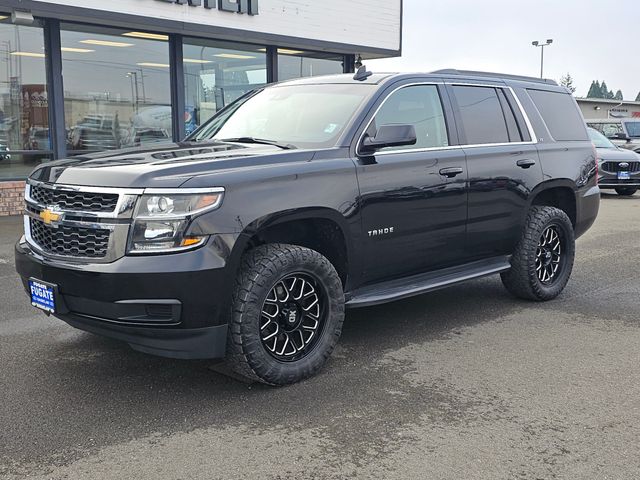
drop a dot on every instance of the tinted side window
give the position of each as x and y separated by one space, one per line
481 115
560 113
417 105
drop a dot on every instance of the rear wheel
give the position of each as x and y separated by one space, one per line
543 260
626 191
288 310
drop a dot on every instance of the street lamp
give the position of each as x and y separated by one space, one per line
542 45
134 89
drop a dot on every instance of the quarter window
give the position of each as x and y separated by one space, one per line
483 120
561 115
417 105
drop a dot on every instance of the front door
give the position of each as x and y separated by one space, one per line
413 199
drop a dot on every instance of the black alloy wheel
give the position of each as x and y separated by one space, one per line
549 259
293 317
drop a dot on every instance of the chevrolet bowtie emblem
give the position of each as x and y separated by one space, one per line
49 217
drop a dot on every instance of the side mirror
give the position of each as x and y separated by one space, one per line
389 136
622 136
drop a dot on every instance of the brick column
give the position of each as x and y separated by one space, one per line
11 198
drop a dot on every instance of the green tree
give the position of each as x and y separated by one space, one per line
567 82
604 90
595 91
618 96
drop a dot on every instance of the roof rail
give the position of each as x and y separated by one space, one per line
453 71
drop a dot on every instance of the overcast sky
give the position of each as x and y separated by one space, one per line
592 40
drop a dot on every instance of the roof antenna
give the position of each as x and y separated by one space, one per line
362 74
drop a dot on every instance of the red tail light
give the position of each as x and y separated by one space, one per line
595 156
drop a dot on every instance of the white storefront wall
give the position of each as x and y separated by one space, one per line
371 23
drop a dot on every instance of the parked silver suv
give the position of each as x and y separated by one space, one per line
623 132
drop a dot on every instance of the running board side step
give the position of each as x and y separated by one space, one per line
425 282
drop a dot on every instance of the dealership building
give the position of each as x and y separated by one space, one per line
601 108
79 76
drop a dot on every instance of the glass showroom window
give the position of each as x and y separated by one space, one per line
116 88
24 121
217 73
298 63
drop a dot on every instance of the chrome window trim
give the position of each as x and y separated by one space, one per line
527 121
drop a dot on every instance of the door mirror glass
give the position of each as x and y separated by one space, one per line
390 136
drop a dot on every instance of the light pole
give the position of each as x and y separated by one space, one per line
134 82
542 45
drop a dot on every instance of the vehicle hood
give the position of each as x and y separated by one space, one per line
163 165
617 155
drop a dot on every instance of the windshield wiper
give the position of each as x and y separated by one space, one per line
284 146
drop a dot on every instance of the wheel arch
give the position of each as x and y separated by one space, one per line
559 193
319 228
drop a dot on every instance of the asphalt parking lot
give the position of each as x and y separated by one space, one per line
464 383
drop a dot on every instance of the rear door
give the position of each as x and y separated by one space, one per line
413 199
502 162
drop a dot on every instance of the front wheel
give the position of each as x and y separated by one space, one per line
626 191
543 260
288 310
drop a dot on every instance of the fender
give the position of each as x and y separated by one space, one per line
547 185
349 231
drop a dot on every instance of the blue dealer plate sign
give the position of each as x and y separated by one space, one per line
42 295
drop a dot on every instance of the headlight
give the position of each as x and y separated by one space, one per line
162 217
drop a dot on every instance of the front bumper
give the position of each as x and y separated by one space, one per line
168 305
611 180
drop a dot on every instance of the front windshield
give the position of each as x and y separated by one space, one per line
599 140
633 128
303 116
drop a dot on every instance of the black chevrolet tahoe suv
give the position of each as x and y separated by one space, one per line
250 238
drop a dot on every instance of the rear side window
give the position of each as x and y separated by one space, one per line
417 105
560 113
481 114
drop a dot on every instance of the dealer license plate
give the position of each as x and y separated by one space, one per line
42 295
624 176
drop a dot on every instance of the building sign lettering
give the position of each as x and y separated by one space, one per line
237 6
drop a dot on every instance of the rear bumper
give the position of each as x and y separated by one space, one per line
587 208
171 305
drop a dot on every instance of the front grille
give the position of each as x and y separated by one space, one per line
74 200
615 167
70 241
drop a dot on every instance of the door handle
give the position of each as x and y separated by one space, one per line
525 163
451 172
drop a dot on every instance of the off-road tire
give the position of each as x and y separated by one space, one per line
261 269
626 191
522 280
